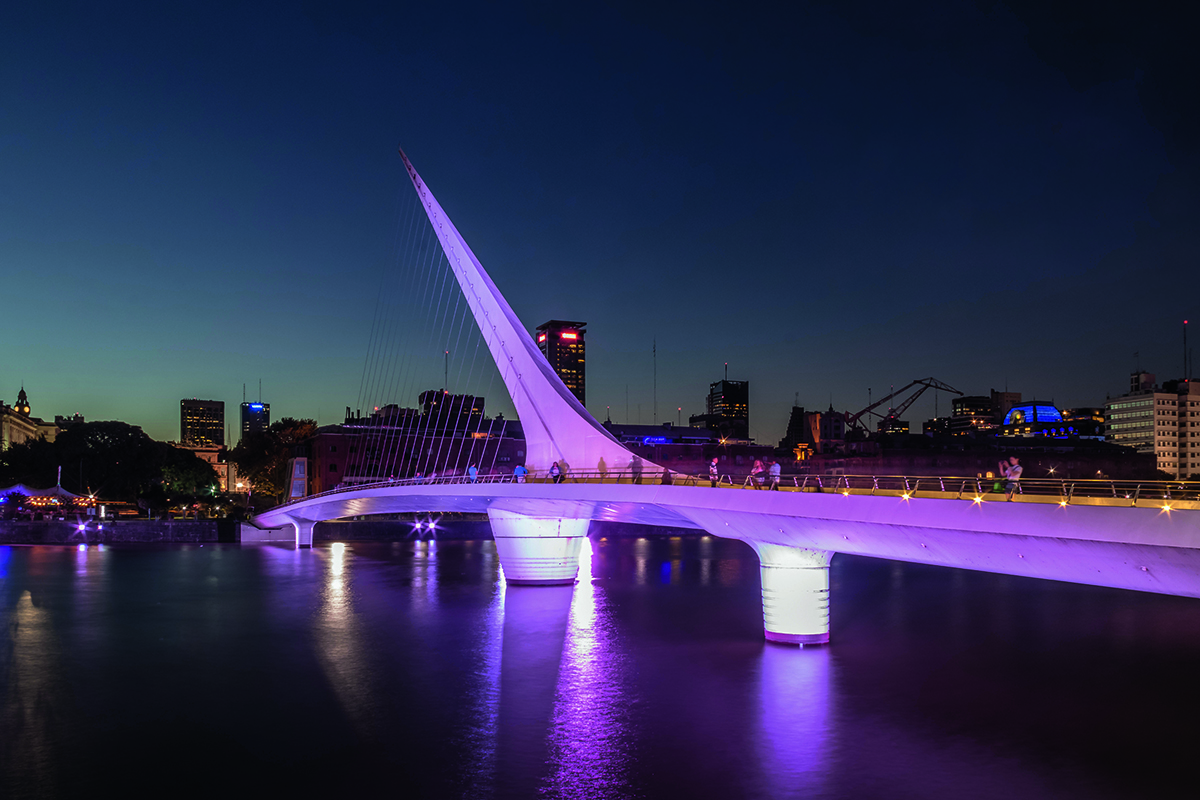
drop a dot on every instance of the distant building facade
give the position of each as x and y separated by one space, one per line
562 343
976 413
256 418
202 423
18 425
810 432
727 410
445 436
214 456
1163 421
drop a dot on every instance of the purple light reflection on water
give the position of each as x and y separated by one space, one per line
368 669
590 744
794 731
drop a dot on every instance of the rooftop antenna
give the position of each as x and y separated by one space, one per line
654 350
446 373
726 370
1185 351
243 393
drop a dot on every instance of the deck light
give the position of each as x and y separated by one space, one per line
978 499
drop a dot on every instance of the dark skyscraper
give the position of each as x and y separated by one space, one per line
561 343
256 417
727 410
202 423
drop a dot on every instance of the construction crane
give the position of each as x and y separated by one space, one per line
860 420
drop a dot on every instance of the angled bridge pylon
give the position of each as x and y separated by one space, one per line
557 426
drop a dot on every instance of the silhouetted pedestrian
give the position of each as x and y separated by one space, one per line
756 474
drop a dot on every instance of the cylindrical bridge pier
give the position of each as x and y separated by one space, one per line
795 593
538 551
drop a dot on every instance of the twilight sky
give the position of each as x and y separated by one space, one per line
829 196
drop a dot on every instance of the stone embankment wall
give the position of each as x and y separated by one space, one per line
109 532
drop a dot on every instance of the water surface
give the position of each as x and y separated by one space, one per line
411 668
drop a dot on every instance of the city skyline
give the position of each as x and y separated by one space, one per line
866 198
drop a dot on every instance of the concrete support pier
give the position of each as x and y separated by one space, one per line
304 531
538 551
795 592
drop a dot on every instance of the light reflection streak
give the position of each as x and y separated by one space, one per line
590 742
29 703
795 720
479 774
339 637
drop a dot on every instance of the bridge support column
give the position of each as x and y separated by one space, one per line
795 592
304 531
538 551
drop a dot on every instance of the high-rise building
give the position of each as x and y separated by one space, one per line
1162 420
561 343
727 410
202 422
256 418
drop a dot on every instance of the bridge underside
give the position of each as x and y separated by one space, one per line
1144 549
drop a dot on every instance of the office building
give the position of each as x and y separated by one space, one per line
562 344
727 410
256 418
979 413
202 423
1163 420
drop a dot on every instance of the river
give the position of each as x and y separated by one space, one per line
412 669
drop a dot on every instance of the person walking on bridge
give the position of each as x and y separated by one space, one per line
774 473
555 473
472 473
712 472
756 474
1012 470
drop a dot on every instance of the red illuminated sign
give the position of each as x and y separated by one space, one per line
570 336
541 337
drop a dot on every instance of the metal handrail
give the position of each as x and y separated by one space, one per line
1068 490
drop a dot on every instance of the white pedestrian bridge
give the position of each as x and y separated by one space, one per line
1144 537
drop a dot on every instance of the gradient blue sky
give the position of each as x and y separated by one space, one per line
830 197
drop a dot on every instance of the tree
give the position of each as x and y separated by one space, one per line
115 460
12 504
262 457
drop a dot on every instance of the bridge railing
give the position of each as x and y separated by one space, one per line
1168 495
